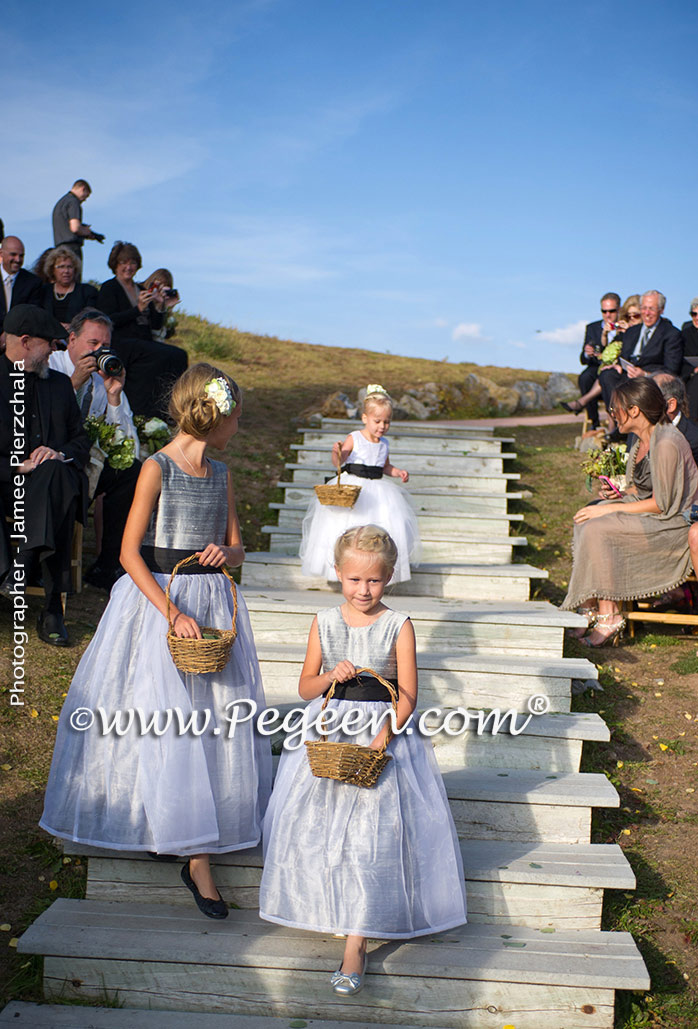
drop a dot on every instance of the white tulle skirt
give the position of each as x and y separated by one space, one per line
179 792
380 502
382 862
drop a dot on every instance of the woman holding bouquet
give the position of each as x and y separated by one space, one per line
629 549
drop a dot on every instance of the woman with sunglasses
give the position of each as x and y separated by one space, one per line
628 315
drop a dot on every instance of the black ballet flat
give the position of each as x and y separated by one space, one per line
572 410
210 908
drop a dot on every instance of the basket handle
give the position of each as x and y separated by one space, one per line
384 682
226 572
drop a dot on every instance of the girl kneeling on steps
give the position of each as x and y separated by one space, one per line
382 862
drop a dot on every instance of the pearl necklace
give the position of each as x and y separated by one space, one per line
61 296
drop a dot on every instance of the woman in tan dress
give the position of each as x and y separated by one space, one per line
628 549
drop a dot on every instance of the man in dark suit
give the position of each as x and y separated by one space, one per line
674 392
18 286
655 345
43 449
593 345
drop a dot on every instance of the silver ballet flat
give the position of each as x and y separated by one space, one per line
348 985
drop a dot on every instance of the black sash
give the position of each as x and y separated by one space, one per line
163 559
362 688
364 471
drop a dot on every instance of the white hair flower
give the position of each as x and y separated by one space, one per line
375 388
218 391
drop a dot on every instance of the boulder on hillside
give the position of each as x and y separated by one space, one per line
532 396
413 407
338 405
560 387
489 396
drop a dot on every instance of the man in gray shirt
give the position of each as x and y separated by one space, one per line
69 230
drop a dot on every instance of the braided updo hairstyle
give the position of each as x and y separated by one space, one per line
191 410
367 539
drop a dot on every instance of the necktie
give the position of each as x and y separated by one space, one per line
7 285
643 337
84 398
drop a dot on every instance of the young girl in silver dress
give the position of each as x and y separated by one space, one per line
185 793
364 455
381 862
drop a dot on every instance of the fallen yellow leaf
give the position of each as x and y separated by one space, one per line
6 768
689 718
663 746
689 789
53 885
626 832
54 718
657 694
34 713
636 789
5 928
633 684
655 737
619 764
13 942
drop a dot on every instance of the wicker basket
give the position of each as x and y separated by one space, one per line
204 655
336 495
350 762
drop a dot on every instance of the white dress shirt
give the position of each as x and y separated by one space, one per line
119 414
8 282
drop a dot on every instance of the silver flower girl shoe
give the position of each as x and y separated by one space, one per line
347 985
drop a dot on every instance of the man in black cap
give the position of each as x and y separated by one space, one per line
43 449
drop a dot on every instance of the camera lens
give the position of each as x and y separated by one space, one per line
108 363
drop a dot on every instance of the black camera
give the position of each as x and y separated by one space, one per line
171 293
107 361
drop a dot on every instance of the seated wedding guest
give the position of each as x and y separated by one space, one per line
655 345
674 393
99 393
608 331
137 314
689 331
162 281
596 336
55 449
18 285
64 295
628 549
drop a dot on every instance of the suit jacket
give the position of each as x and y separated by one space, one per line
59 415
664 350
690 431
26 290
591 336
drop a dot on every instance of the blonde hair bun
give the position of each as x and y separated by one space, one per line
191 409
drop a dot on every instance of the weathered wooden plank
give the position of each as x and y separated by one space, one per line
419 1001
66 1016
410 428
426 499
474 479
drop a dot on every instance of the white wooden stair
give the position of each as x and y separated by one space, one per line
425 499
532 884
437 579
158 955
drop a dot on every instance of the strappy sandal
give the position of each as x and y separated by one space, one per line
591 614
615 634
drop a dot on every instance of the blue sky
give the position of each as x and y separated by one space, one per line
439 179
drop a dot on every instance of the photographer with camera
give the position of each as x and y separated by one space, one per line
137 313
98 376
69 229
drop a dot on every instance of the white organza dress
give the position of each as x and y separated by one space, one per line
382 862
381 502
179 792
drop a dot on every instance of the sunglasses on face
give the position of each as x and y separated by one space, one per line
608 310
693 314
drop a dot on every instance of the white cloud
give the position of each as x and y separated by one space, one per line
569 336
467 330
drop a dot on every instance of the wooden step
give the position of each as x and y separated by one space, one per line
173 958
449 678
414 462
424 430
480 522
77 1016
534 627
424 499
400 443
532 884
437 546
472 479
468 582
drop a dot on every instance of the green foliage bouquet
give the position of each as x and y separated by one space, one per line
610 461
119 449
611 352
153 433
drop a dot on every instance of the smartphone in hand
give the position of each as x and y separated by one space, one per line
607 482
